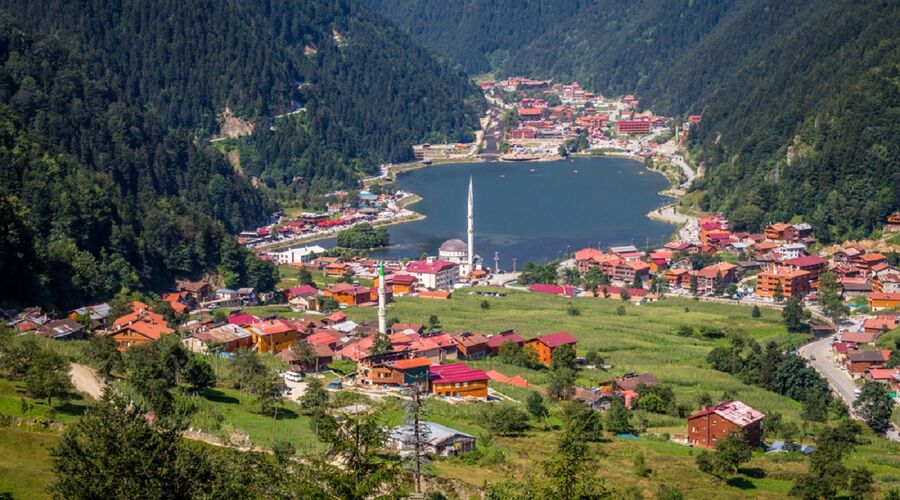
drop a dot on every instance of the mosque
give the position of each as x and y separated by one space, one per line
457 251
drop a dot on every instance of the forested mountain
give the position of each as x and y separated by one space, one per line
96 195
369 91
818 76
477 34
107 108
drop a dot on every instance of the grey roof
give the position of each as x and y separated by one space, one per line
453 246
97 311
437 433
865 356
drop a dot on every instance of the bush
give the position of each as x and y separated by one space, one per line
620 311
504 419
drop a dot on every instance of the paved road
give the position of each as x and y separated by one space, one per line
824 363
85 380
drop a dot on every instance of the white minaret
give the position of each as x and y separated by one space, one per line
471 232
382 301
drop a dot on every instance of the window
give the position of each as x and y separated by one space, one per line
465 384
456 384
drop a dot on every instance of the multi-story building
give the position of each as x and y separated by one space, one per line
793 282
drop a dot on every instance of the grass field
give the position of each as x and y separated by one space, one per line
25 463
12 395
642 341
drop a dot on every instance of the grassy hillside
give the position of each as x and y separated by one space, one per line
25 467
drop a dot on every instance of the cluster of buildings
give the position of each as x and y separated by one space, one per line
552 113
340 214
856 351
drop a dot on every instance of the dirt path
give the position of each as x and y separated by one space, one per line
85 380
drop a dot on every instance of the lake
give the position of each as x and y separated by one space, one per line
532 210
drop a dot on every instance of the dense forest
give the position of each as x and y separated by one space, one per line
368 91
97 195
815 76
477 34
107 108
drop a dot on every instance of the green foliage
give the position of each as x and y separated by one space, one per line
504 419
561 384
48 376
198 373
756 313
564 357
315 399
874 406
657 399
538 273
536 406
830 299
730 453
381 345
327 304
795 316
513 354
827 473
618 419
363 237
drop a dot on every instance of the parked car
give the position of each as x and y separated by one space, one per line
292 376
335 384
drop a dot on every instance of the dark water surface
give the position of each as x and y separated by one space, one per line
532 211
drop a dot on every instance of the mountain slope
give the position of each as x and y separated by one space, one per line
369 90
477 34
96 195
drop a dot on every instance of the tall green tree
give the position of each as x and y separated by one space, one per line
874 406
795 316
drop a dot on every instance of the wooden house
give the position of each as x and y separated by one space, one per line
709 425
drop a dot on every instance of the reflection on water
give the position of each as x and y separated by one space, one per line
532 211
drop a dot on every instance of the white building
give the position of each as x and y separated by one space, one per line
791 251
434 273
302 255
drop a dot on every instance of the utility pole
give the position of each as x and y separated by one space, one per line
496 262
514 265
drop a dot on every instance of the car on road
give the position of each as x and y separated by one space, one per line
812 358
292 376
335 384
856 392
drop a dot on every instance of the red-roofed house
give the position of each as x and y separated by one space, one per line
458 380
544 345
813 264
401 372
879 301
141 326
433 273
501 338
709 425
471 345
881 323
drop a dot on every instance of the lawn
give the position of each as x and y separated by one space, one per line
222 410
25 463
12 395
642 341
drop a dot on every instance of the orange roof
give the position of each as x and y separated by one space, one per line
150 330
406 364
781 226
872 257
884 296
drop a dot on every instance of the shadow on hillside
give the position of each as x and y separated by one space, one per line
218 396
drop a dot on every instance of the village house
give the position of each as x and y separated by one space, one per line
859 361
867 261
471 345
629 382
881 323
434 274
399 283
400 372
793 282
679 278
273 335
303 298
61 329
709 425
886 376
228 337
706 277
200 290
781 232
140 326
348 294
98 314
887 283
439 440
855 339
813 264
545 345
458 380
495 341
880 301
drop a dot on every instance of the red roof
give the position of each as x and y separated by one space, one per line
456 372
735 412
425 267
406 364
556 339
554 289
242 319
499 339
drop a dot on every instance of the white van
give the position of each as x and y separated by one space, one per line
292 376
